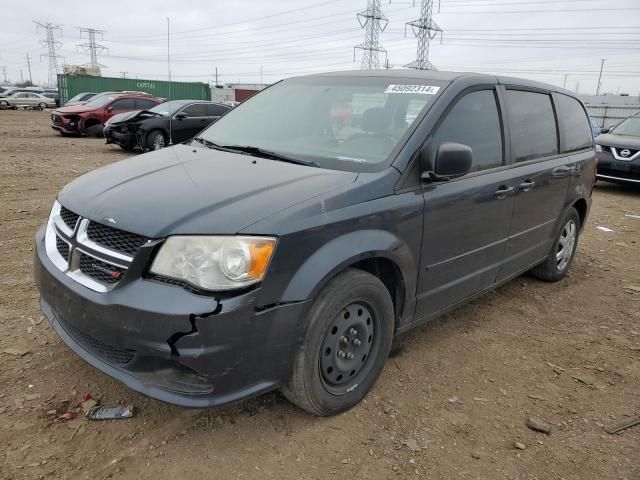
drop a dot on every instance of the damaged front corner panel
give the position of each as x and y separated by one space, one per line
174 338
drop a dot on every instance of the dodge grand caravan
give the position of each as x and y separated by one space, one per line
285 246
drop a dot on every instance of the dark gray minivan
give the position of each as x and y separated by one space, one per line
287 245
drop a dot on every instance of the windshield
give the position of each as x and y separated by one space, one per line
630 126
167 107
77 98
342 123
100 101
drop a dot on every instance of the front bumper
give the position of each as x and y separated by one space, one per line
169 344
126 140
610 169
65 125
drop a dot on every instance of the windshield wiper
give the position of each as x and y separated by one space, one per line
255 151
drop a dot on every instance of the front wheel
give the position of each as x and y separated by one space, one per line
557 264
4 103
347 340
156 140
42 105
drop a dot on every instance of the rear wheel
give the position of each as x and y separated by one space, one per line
42 105
557 264
347 340
156 140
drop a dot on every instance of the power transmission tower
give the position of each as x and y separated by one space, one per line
29 67
425 29
50 43
4 72
374 22
600 76
92 47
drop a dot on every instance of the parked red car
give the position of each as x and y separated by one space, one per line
89 118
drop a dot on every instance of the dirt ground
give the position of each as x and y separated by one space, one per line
451 403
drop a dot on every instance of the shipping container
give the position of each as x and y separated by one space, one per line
71 85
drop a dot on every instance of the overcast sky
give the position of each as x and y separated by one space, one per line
539 39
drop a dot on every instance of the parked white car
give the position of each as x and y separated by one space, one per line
28 99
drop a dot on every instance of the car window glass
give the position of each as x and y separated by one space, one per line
124 104
217 110
474 121
532 125
144 104
21 95
195 110
577 128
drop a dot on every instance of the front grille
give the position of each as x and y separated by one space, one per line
632 152
115 239
63 248
112 354
69 218
101 271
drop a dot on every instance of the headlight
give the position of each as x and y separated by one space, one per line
598 148
215 262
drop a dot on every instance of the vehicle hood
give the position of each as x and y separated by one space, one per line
619 141
74 104
81 108
192 190
135 115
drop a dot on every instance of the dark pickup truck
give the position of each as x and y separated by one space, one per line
287 245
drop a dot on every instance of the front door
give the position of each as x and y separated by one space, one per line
541 182
466 220
189 121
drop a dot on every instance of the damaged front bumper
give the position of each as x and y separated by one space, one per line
115 134
168 343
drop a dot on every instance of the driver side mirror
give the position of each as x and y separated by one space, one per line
452 160
180 116
109 109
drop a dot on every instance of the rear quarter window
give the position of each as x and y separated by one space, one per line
575 124
533 125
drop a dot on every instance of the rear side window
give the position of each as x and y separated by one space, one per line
195 110
533 125
575 124
217 110
474 121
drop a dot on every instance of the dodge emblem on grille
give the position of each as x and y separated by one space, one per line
109 219
114 273
625 153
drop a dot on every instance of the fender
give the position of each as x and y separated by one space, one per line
341 252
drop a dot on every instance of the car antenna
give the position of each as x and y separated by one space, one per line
169 68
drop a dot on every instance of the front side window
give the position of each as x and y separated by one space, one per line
533 125
474 121
217 110
342 123
195 110
124 104
576 124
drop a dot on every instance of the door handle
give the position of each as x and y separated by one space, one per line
527 185
503 191
561 171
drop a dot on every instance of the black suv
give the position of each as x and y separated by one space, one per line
619 152
291 241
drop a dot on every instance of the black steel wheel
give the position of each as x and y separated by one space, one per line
347 339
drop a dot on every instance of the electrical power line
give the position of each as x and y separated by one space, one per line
50 43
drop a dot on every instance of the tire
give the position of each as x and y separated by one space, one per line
94 130
42 105
156 140
560 258
354 306
4 103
